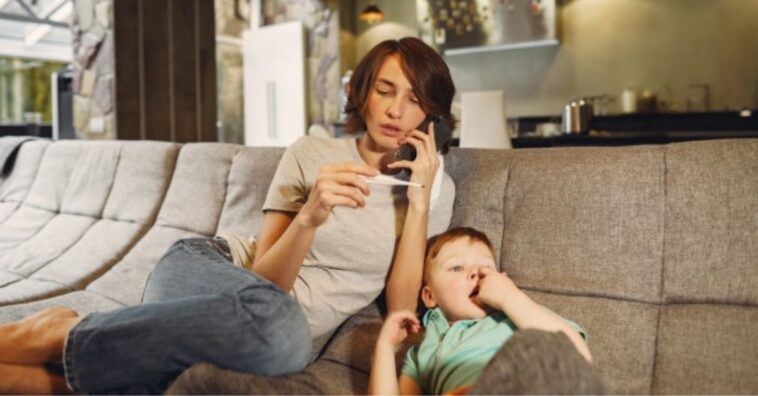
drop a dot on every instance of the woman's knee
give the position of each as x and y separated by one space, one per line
180 254
184 244
173 253
162 279
285 330
292 353
298 344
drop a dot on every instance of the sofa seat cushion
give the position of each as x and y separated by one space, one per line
79 264
321 378
135 267
60 233
84 302
706 349
8 278
621 337
23 224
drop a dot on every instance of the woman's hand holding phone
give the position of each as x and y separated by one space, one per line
336 185
423 168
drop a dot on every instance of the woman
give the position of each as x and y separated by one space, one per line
328 241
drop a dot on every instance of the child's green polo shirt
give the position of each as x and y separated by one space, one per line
452 357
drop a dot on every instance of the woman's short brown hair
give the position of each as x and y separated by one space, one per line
425 69
435 243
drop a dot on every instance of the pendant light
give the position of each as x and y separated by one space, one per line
371 14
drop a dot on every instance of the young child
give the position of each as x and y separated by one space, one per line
473 310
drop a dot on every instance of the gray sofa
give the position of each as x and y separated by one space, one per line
652 249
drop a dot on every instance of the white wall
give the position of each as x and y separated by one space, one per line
607 45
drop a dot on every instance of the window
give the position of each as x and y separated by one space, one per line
35 41
25 90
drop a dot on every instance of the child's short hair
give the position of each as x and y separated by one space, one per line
435 243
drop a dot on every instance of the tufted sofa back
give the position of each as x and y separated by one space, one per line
652 249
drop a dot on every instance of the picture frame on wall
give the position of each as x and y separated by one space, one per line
468 26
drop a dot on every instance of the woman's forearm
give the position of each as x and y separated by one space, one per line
281 262
407 269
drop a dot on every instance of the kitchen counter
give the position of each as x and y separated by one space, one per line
642 128
608 138
39 130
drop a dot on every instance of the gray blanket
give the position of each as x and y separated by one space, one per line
8 148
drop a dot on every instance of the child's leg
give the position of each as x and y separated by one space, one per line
38 338
31 380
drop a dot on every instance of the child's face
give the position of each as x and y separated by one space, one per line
453 279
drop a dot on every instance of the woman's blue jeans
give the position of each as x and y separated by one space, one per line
197 307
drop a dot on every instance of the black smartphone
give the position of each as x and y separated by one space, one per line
442 133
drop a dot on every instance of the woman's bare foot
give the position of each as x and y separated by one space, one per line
30 380
38 338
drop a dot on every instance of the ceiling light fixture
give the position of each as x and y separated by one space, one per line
372 14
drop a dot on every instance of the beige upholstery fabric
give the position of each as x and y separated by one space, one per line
198 189
21 225
58 241
45 195
251 172
23 171
652 249
84 302
125 281
143 173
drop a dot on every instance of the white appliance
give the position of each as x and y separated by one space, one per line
275 90
483 120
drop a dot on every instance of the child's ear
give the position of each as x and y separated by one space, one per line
428 298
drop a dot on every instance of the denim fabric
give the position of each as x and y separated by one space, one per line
197 307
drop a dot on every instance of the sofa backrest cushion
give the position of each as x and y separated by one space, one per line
586 220
197 192
141 180
710 272
712 222
215 186
249 177
91 179
62 241
581 230
55 170
479 173
17 184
